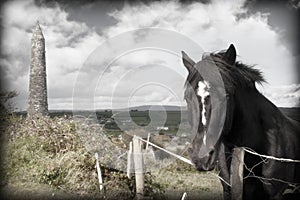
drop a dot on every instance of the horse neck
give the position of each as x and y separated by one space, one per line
253 116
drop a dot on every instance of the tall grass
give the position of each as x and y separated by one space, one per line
48 151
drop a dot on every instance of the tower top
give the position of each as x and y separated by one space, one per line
37 33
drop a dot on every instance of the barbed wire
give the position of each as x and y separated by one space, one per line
182 159
222 179
251 174
263 179
264 158
169 152
249 150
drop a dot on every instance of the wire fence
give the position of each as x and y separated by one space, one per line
237 174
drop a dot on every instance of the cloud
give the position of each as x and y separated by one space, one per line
69 43
214 26
283 95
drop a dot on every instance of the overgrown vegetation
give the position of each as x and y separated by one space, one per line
48 158
45 157
48 151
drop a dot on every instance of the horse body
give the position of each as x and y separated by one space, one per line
252 121
259 125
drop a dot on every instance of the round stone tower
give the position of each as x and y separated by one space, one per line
38 105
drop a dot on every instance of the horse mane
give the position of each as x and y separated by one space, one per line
238 74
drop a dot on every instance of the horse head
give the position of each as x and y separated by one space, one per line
208 112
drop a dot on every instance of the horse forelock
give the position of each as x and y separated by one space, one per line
235 75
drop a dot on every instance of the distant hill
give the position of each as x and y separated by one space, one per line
293 113
154 108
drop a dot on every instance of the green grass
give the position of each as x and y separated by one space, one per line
47 152
48 159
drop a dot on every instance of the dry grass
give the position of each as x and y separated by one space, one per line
48 159
47 152
180 177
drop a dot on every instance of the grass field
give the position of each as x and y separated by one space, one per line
46 159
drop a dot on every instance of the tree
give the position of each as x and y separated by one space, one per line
6 105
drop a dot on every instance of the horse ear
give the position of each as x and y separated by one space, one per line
188 62
230 55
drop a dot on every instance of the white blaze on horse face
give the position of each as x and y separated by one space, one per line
203 92
204 139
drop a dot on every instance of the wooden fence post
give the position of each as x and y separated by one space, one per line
139 167
148 139
130 162
236 173
99 172
184 196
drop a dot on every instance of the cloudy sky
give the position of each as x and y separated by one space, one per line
101 54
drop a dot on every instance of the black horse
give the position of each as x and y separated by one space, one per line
251 121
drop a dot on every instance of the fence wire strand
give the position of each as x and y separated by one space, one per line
270 157
251 174
264 158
